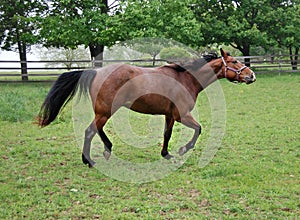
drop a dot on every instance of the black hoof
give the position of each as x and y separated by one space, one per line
169 156
90 162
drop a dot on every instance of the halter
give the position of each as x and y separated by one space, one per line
237 72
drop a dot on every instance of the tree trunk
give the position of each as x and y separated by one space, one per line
246 52
104 7
245 49
23 58
96 49
294 58
154 59
97 54
272 57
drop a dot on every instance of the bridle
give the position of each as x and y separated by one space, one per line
237 72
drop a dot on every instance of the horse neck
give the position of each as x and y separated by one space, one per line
216 66
207 74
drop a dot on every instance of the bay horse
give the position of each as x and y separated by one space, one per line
170 90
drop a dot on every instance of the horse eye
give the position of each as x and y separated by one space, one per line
235 62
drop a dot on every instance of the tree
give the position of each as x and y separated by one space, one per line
169 19
17 31
65 56
238 23
147 45
175 54
70 23
158 24
284 27
95 25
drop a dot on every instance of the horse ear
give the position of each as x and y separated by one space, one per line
223 53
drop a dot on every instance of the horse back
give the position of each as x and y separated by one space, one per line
146 90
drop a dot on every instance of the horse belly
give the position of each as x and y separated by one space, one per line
151 104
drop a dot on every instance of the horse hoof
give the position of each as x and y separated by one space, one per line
169 156
106 154
182 151
90 162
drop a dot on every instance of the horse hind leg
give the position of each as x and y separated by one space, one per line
190 122
167 135
89 134
100 122
92 129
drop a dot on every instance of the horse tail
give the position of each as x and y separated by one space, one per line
62 91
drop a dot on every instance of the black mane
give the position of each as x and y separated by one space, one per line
193 65
209 57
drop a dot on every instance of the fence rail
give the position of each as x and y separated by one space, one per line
49 70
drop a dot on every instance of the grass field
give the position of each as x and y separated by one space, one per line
254 175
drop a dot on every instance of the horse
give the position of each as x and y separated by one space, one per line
170 90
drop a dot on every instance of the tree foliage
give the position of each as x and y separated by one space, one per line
170 19
248 23
16 23
175 54
233 22
70 23
285 28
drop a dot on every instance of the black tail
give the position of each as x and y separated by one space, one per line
62 91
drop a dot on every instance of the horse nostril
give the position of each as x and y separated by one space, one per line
247 78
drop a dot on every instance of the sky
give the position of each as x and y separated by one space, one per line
9 55
13 56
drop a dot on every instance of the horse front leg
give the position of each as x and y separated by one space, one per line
89 134
167 135
190 122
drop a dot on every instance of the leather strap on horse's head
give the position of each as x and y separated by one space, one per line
236 71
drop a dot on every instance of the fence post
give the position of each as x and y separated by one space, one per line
279 63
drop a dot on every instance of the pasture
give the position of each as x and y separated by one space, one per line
254 175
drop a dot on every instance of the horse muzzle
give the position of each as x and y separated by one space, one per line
250 79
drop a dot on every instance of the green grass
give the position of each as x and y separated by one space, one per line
254 175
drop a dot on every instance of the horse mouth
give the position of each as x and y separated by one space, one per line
250 82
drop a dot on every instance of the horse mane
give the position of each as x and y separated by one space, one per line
193 64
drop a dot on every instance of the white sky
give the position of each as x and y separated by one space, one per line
13 56
9 55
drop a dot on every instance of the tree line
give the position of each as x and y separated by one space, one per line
243 24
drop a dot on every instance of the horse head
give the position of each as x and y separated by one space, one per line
235 71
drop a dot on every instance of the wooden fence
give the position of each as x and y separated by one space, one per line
41 71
